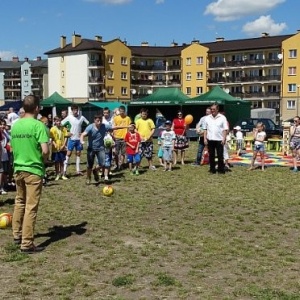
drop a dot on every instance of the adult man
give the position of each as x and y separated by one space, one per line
200 131
146 127
29 141
95 133
11 116
75 122
215 131
121 123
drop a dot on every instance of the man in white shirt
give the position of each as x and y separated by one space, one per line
215 131
74 121
11 116
200 131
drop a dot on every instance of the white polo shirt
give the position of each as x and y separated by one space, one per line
215 127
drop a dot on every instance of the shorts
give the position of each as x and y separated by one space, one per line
74 144
99 154
133 158
181 142
259 148
107 160
59 156
120 147
146 149
168 154
295 144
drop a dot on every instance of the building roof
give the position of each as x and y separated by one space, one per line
154 51
7 64
246 44
84 45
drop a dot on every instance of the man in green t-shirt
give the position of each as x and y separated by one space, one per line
29 140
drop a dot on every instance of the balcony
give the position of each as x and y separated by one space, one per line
244 63
15 76
36 76
96 63
97 96
12 88
148 68
244 79
96 80
258 95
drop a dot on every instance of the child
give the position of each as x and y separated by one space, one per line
226 151
295 142
59 135
109 144
259 146
239 140
133 140
168 138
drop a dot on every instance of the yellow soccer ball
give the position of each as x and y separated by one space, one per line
108 190
5 220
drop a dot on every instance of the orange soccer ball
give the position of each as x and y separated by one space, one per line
188 119
5 220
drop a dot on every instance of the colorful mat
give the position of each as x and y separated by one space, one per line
272 159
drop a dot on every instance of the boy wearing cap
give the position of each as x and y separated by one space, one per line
168 138
239 139
132 140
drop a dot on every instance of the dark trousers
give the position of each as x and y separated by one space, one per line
200 151
214 146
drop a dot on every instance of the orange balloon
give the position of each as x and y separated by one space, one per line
188 119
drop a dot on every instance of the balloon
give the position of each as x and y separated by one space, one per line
188 119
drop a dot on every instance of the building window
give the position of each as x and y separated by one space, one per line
291 104
292 87
199 75
110 75
292 53
188 61
62 59
123 75
62 74
123 60
110 59
199 60
123 90
26 83
26 73
189 76
199 90
62 89
292 71
188 90
110 90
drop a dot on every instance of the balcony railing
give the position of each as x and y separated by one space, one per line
96 79
36 76
97 95
155 68
96 63
244 79
155 82
260 95
246 62
12 87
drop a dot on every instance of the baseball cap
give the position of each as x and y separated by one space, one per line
237 128
168 122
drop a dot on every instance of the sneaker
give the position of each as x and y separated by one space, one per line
295 170
195 164
153 168
3 192
79 173
57 177
110 173
32 250
96 175
64 177
137 172
88 181
18 241
106 178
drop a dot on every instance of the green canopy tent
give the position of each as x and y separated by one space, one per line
53 102
233 108
167 100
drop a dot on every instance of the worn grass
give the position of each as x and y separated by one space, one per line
184 234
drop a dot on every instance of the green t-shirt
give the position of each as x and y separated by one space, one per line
27 135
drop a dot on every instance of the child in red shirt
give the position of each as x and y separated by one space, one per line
133 140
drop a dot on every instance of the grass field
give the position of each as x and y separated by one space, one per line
185 234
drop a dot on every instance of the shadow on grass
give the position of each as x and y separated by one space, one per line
57 233
10 201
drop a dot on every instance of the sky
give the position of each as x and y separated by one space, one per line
32 27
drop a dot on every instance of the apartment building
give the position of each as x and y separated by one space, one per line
21 78
261 70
